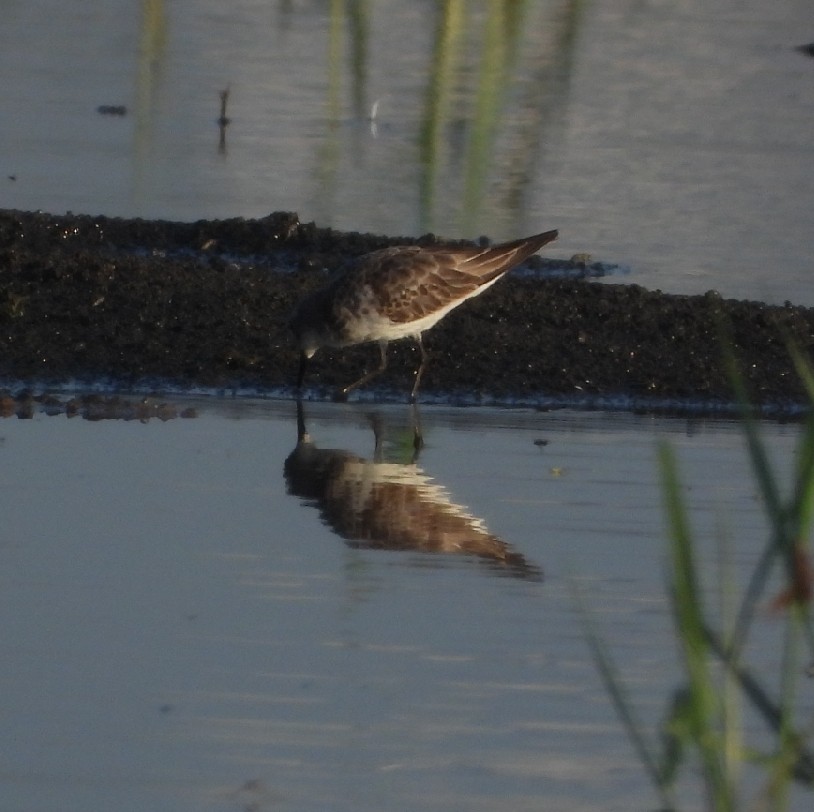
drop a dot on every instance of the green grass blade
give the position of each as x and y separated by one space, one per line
616 690
703 711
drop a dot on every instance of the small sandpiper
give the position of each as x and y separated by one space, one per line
399 292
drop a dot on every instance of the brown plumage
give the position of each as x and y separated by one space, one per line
399 292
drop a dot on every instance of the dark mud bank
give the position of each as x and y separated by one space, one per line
205 304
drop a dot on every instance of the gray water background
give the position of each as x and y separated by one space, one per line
671 137
178 630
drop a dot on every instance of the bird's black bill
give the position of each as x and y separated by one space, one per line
302 431
301 370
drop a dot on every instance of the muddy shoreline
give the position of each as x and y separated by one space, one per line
138 303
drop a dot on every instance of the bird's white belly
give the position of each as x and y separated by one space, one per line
370 325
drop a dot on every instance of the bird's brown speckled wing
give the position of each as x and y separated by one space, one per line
409 283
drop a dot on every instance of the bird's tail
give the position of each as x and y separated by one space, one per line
491 262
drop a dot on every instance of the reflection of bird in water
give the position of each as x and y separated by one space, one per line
391 506
399 292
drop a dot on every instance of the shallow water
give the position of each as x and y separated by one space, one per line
672 137
180 631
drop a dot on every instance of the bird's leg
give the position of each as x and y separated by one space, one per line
343 393
420 370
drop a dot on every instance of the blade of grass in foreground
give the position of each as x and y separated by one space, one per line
790 521
619 696
768 486
703 711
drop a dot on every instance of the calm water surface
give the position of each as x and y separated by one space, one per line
187 622
182 632
672 137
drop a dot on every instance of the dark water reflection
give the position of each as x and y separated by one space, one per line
384 503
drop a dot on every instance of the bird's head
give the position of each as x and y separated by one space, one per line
305 325
308 326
